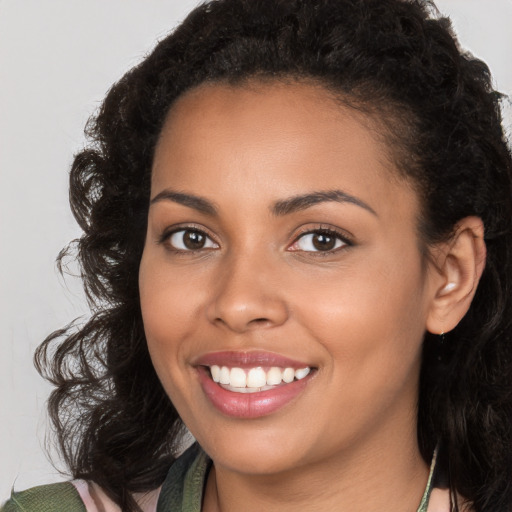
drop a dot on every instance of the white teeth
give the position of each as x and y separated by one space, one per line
224 375
288 375
302 372
237 378
255 379
215 370
274 376
247 390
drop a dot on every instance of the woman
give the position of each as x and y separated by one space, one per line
296 223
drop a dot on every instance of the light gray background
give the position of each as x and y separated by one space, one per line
57 60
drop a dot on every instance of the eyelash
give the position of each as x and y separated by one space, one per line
168 234
329 232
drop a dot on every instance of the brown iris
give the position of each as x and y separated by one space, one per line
193 240
324 241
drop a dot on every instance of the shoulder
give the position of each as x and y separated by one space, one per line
75 496
185 482
46 498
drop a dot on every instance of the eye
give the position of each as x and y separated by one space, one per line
319 241
190 240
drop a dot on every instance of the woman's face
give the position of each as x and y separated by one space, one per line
281 242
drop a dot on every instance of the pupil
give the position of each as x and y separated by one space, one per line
193 240
324 242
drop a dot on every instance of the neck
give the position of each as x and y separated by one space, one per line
383 477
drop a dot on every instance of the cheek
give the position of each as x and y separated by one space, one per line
169 315
165 309
370 322
169 296
372 346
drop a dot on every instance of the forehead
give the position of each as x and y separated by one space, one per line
268 109
275 136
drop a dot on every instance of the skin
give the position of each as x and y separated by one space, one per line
357 314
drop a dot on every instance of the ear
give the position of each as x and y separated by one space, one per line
459 265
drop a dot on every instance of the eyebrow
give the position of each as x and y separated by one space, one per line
302 202
197 203
280 208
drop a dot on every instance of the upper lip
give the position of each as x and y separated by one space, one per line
248 359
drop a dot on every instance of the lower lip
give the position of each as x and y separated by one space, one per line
249 405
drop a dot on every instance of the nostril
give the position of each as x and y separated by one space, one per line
259 321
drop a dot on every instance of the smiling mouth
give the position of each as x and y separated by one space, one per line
256 379
252 384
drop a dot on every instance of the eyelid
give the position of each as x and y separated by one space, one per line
171 230
344 236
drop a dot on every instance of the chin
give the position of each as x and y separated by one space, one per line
258 450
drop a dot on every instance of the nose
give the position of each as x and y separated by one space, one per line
247 296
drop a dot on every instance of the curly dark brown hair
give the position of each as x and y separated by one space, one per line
396 59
